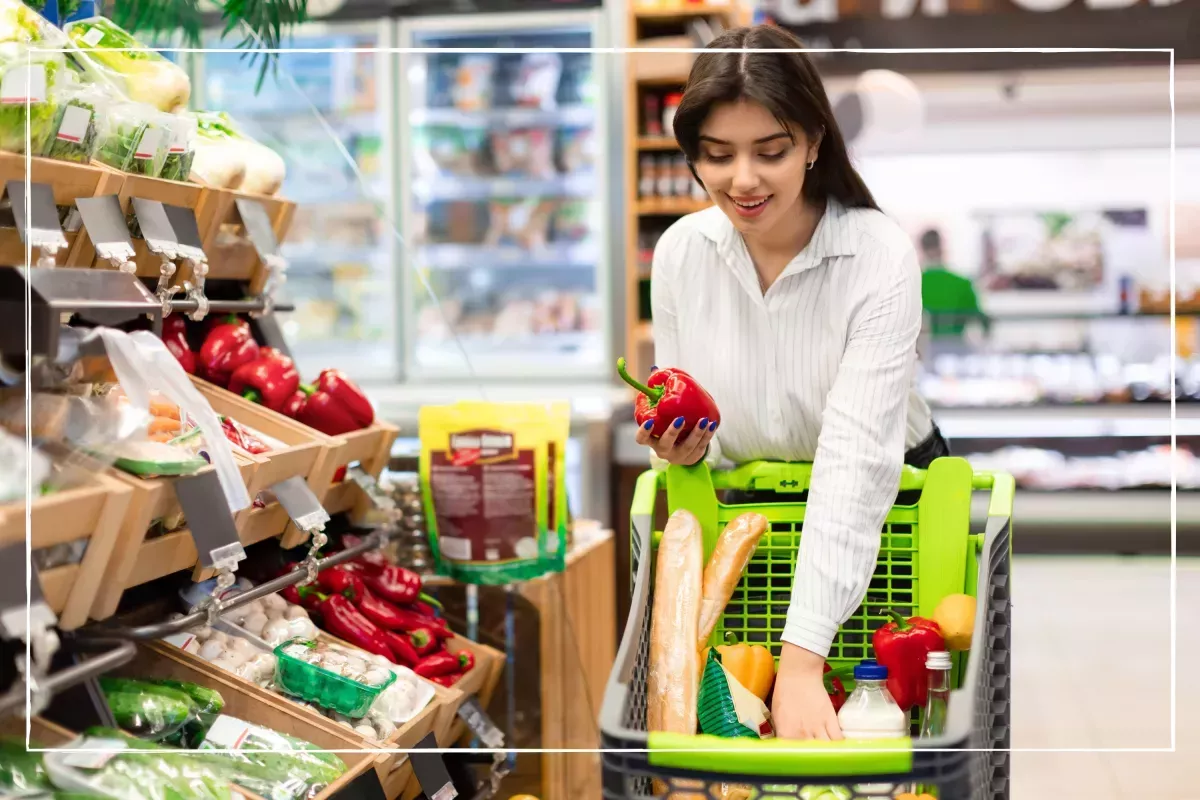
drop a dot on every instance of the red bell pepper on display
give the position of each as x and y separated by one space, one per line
446 680
294 404
467 659
402 647
268 380
902 645
396 584
341 618
441 664
174 336
668 395
338 580
336 406
216 321
423 641
226 348
380 611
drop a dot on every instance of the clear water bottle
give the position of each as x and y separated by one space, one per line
938 665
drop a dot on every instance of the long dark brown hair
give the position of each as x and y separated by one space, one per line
788 86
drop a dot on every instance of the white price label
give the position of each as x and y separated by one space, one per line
180 640
102 751
93 37
75 122
227 733
25 83
149 143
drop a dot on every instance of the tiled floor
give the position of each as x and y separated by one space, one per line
1091 649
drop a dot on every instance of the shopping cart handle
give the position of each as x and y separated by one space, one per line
779 758
793 476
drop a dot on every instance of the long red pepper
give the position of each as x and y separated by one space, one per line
440 664
423 641
395 583
669 395
902 645
339 580
380 611
341 618
411 621
446 680
406 654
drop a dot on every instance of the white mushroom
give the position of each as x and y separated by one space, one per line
332 658
275 632
226 663
240 645
294 612
356 664
273 602
255 623
376 676
220 637
212 650
300 627
366 730
203 633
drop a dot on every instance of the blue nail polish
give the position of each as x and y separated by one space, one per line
652 368
704 423
679 422
713 429
649 424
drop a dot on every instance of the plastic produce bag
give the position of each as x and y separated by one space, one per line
21 772
172 712
728 709
125 768
27 80
77 122
220 159
182 150
135 138
291 770
20 23
110 54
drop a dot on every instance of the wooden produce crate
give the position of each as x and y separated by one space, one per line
175 193
41 731
252 703
304 455
94 511
70 182
370 448
137 560
230 253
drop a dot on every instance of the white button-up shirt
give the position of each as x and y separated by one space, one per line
821 367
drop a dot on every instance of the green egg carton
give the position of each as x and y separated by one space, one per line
321 687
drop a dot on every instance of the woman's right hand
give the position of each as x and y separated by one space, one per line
669 448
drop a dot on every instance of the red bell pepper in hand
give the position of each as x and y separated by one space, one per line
442 664
668 395
336 406
341 618
902 645
396 584
402 647
174 336
226 348
268 380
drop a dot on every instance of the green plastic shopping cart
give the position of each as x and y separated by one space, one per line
927 552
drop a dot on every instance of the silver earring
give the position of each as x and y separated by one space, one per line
811 164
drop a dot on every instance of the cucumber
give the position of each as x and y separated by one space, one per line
150 716
189 733
208 704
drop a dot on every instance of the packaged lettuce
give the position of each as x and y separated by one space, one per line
27 79
287 769
109 54
125 768
76 135
182 150
20 23
135 138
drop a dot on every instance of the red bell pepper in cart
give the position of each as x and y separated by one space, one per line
268 380
670 394
902 645
341 618
835 688
174 336
226 348
397 584
442 664
336 406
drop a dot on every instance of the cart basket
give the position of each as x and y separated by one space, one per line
927 552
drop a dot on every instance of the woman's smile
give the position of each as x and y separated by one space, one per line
749 207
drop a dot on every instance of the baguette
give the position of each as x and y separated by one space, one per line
674 676
733 552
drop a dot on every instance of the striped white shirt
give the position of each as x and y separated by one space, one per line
820 368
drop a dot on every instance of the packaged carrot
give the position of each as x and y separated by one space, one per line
487 481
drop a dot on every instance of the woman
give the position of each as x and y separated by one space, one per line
797 304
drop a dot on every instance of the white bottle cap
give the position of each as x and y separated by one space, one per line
937 660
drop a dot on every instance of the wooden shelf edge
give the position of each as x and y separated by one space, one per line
667 143
669 206
685 10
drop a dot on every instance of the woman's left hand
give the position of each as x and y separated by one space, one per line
669 448
801 708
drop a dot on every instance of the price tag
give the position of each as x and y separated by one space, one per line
431 771
75 123
258 227
101 751
187 232
41 228
149 144
301 504
156 228
208 515
379 498
14 601
106 226
23 83
480 723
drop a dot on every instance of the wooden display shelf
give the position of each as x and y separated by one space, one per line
70 182
656 206
676 11
136 559
303 455
230 253
252 703
175 193
94 511
667 143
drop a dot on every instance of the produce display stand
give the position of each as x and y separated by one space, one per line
231 255
174 193
927 552
137 560
93 510
372 448
250 702
69 182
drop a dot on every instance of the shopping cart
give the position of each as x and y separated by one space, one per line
927 552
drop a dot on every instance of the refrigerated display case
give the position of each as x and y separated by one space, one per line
315 109
502 186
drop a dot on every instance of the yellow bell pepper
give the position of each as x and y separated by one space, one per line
955 615
752 665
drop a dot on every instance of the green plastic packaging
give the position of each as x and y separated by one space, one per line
270 764
717 712
320 686
21 772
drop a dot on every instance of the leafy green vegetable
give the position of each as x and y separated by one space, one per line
42 113
127 127
21 772
66 150
110 54
178 166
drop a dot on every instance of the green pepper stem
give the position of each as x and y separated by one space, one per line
898 618
424 598
252 396
654 394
